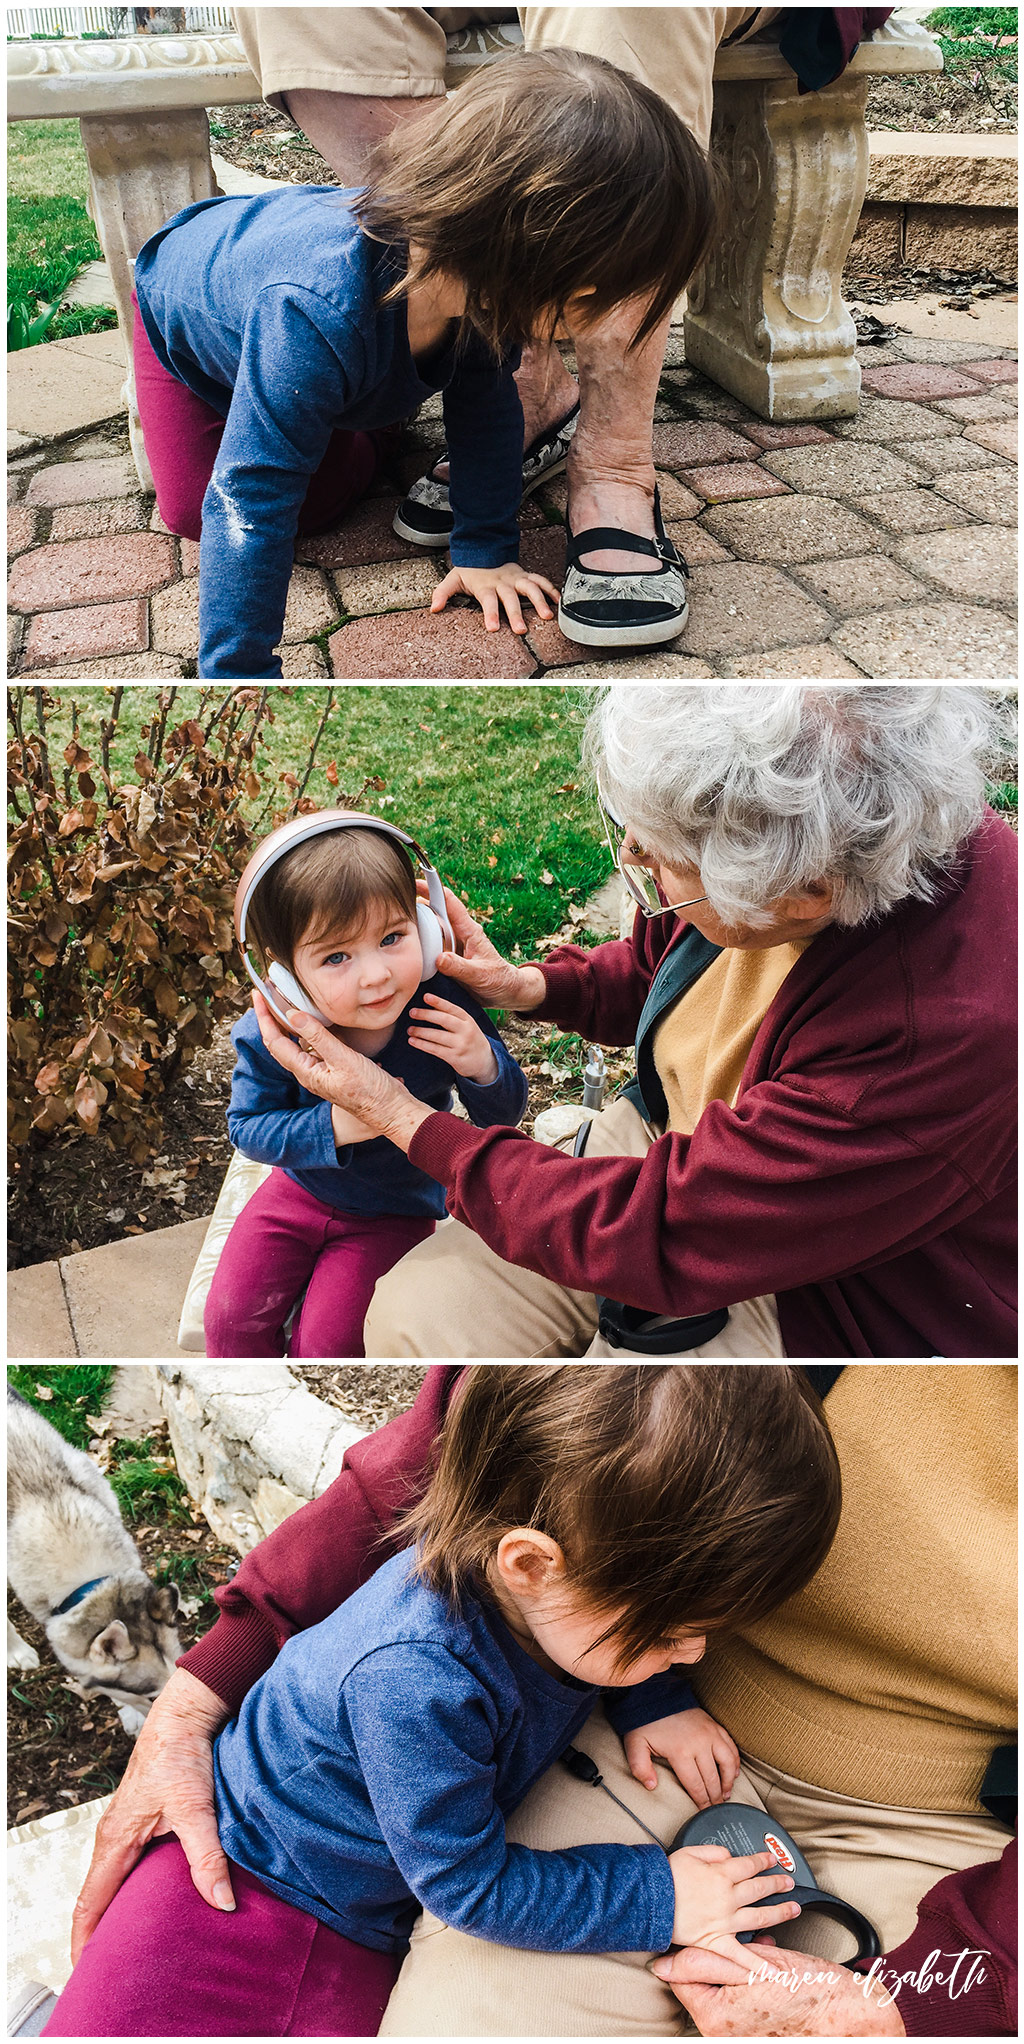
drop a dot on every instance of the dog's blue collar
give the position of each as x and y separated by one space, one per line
77 1595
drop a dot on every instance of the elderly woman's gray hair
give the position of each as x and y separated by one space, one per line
768 788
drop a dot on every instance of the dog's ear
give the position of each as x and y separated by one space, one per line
112 1644
163 1603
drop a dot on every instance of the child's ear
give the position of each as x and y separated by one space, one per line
528 1562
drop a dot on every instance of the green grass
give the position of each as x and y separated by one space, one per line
49 233
487 778
1002 796
145 1481
78 1389
968 21
968 50
142 1474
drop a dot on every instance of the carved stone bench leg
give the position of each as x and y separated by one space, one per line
142 168
766 318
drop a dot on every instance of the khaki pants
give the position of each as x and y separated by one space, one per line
882 1860
400 51
452 1296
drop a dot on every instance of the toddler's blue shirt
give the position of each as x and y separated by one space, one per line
372 1768
274 1120
269 309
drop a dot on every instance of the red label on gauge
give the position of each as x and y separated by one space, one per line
776 1846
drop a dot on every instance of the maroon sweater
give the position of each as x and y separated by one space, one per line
322 1553
865 1174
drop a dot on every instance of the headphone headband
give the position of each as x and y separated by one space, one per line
288 835
435 931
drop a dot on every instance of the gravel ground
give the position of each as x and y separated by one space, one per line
368 1393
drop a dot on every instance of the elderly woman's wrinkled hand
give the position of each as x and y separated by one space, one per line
167 1786
331 1069
492 979
776 1993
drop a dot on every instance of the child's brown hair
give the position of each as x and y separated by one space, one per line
683 1495
328 886
549 173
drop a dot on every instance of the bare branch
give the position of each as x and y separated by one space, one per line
107 731
331 700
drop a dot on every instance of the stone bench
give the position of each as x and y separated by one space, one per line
765 317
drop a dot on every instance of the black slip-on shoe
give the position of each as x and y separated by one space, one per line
618 609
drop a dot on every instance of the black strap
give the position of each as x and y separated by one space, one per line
823 1375
660 548
633 1327
577 543
998 1791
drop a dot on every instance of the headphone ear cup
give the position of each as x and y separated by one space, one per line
431 938
281 978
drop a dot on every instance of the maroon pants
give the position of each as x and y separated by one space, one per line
183 433
162 1963
285 1242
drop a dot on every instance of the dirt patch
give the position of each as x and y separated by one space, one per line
941 102
258 138
368 1393
77 1192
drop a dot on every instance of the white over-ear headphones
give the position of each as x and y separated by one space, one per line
281 989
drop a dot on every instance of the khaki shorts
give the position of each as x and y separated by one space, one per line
452 1296
399 52
881 1860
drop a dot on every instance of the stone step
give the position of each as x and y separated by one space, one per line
63 387
123 1299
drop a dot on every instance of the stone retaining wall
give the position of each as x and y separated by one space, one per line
938 202
251 1443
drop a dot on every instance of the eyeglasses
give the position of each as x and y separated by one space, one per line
638 879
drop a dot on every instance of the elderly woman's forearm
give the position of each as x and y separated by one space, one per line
782 1194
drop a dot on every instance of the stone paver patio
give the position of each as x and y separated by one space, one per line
880 546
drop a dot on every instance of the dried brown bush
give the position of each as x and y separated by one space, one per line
121 945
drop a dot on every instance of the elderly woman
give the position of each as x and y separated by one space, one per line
817 1156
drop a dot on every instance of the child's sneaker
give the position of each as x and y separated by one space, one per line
425 518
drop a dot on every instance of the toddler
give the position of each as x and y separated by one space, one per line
587 1525
339 912
277 335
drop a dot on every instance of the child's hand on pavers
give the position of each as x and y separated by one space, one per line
496 589
699 1751
446 1031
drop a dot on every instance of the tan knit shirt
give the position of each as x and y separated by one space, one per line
703 1043
892 1675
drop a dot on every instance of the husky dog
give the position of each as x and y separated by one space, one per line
73 1565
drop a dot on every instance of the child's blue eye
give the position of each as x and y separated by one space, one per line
336 958
392 937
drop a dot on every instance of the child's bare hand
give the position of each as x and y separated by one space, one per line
700 1753
446 1031
496 589
717 1894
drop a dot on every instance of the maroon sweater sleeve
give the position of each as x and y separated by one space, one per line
600 994
319 1555
784 1189
966 1928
